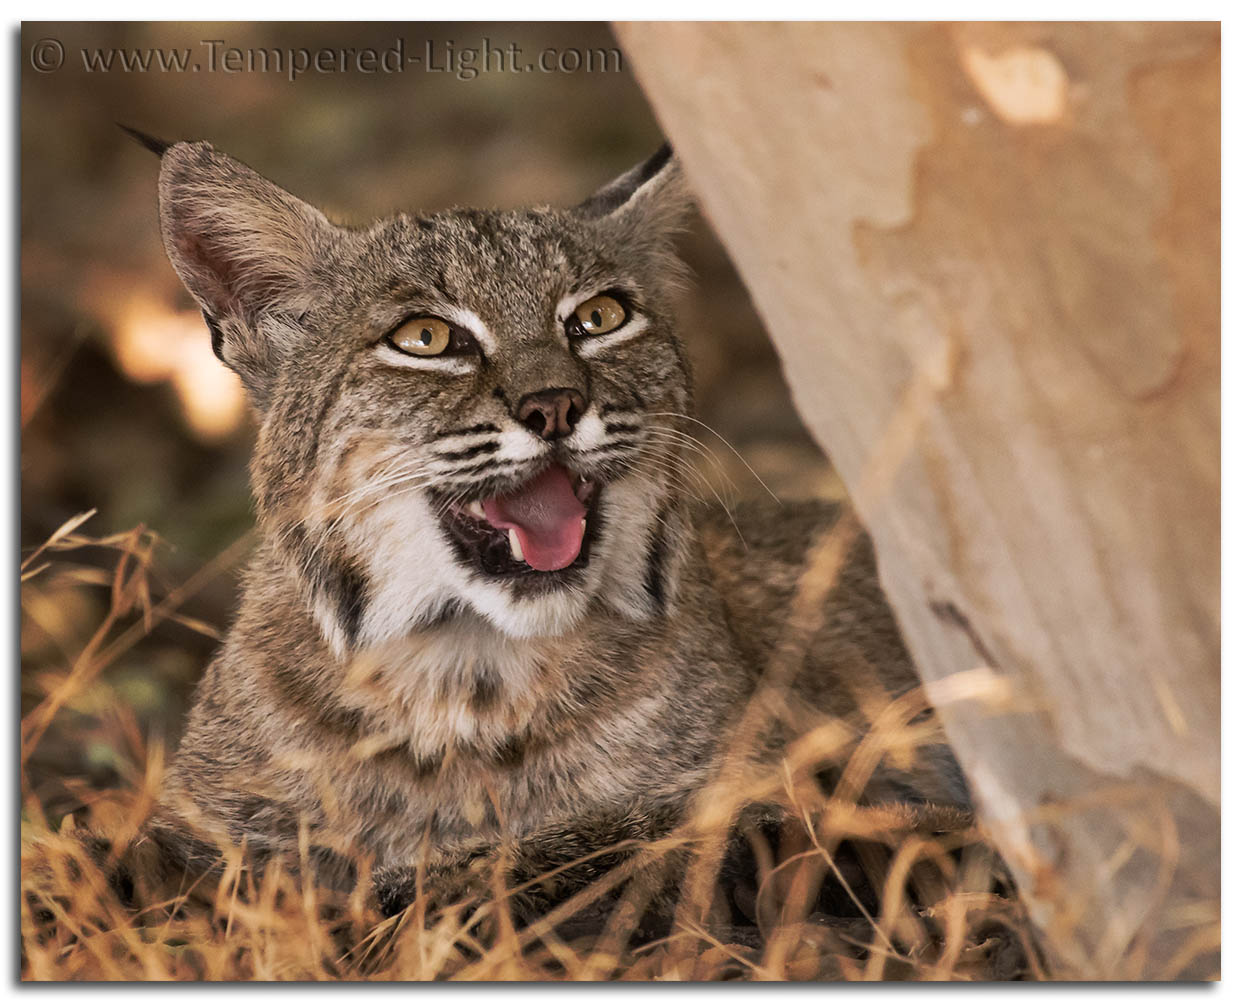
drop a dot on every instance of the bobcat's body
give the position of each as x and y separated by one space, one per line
458 732
402 683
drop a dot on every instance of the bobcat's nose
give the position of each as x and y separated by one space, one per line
552 413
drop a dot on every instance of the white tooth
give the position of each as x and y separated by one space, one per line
476 509
582 529
515 547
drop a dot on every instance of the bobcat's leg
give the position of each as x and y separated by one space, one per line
546 869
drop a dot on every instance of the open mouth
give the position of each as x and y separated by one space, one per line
544 526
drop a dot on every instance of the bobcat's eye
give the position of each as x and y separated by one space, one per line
598 315
422 336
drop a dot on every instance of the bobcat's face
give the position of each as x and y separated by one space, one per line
467 411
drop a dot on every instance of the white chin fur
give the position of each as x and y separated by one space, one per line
542 616
414 573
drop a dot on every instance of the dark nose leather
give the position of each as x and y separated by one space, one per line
551 414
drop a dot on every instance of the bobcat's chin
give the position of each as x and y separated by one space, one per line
585 534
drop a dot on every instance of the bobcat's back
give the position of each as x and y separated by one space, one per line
803 601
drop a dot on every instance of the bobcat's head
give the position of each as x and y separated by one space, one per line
471 412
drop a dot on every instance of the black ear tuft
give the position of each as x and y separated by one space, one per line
156 146
614 195
655 163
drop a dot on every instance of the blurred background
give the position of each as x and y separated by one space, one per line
125 410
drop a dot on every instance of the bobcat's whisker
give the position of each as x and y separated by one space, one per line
390 475
728 444
690 468
348 500
659 462
401 486
673 435
397 477
352 501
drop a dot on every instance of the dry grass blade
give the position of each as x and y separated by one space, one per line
59 535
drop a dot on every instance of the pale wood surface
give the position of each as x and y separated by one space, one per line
989 256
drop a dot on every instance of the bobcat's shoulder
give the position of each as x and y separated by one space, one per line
763 553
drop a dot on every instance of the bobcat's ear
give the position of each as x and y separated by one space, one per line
245 249
653 195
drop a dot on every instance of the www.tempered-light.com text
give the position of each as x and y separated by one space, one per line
214 55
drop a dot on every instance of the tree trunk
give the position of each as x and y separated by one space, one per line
989 256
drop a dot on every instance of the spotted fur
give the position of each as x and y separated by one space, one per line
384 691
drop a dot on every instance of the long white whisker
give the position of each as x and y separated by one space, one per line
707 483
668 475
415 481
678 469
350 500
728 444
681 438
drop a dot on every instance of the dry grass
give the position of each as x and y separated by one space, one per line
931 908
278 929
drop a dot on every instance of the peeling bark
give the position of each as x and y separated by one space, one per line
989 256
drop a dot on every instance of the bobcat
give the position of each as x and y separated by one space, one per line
484 608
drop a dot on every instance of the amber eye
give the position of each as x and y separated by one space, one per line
598 315
422 336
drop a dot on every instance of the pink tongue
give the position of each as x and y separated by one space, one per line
547 516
